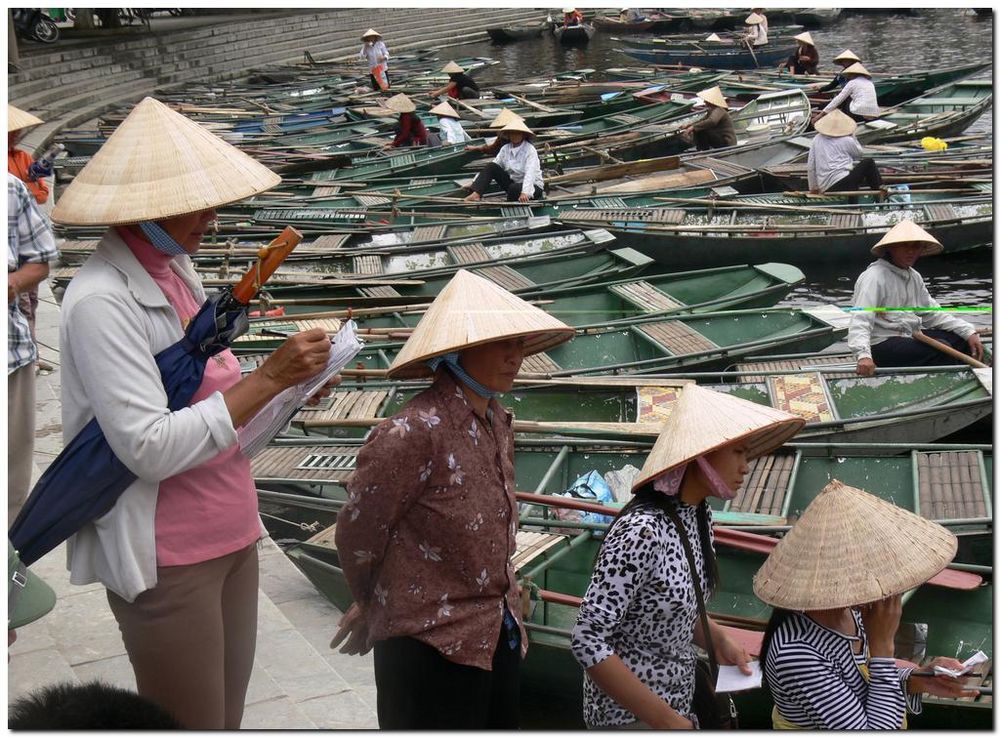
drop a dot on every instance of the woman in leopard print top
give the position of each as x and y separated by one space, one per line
638 623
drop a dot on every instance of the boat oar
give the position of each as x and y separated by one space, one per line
947 350
740 540
749 44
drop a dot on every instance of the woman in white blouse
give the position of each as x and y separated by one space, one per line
835 582
639 620
516 169
859 94
451 130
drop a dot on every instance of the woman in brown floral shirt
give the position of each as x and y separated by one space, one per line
428 533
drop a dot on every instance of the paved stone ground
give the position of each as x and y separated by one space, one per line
298 682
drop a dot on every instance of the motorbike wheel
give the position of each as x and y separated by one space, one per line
45 31
70 14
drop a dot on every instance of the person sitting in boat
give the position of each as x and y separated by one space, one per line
885 338
451 130
493 147
375 52
517 168
836 161
858 98
763 24
716 129
845 59
805 58
756 30
631 15
640 617
460 85
572 17
828 651
428 532
410 130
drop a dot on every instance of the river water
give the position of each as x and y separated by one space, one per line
935 38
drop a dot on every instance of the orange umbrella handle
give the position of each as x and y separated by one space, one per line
269 259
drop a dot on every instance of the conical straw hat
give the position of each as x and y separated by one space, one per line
18 119
504 117
847 54
369 33
444 110
806 38
158 164
518 125
568 10
835 124
714 37
857 68
907 231
851 548
714 96
704 420
452 67
472 311
753 19
400 103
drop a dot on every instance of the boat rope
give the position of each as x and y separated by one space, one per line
304 526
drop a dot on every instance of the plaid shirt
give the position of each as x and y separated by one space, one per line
29 241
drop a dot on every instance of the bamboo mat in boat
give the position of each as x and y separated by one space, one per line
506 277
801 394
950 485
329 242
428 233
666 215
656 402
764 489
468 253
330 325
369 264
793 364
539 363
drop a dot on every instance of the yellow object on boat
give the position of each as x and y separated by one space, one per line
930 143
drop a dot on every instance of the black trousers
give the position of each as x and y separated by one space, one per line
864 171
418 688
493 172
910 352
468 93
845 108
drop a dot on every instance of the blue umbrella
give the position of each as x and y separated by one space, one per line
86 478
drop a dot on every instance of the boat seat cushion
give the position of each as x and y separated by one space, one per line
801 394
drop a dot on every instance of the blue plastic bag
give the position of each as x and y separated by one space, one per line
592 488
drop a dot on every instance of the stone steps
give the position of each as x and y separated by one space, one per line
123 71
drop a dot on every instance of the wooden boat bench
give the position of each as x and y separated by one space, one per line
675 337
323 464
357 404
369 264
330 242
645 296
766 485
468 253
505 277
423 233
950 485
385 291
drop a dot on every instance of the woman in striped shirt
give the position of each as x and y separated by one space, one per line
827 659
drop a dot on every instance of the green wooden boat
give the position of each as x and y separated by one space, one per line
728 233
897 406
644 345
942 112
555 561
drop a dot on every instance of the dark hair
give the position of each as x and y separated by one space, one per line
778 618
88 706
648 496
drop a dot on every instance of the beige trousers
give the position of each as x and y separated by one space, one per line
20 437
191 638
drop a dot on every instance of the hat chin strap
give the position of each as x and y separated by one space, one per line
450 361
161 239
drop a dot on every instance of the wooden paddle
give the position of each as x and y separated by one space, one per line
947 350
747 541
269 258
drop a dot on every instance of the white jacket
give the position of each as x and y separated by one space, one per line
885 285
523 165
114 320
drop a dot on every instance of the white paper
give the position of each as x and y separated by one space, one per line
968 665
277 413
731 678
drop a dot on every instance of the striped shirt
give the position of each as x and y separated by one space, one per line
861 92
29 241
816 680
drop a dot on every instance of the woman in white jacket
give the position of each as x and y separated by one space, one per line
178 551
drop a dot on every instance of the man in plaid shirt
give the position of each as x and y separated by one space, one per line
30 247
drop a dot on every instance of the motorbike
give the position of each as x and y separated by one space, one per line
34 25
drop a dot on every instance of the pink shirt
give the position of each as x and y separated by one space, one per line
210 510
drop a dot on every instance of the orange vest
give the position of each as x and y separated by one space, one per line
17 164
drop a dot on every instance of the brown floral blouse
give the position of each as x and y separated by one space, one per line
428 533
